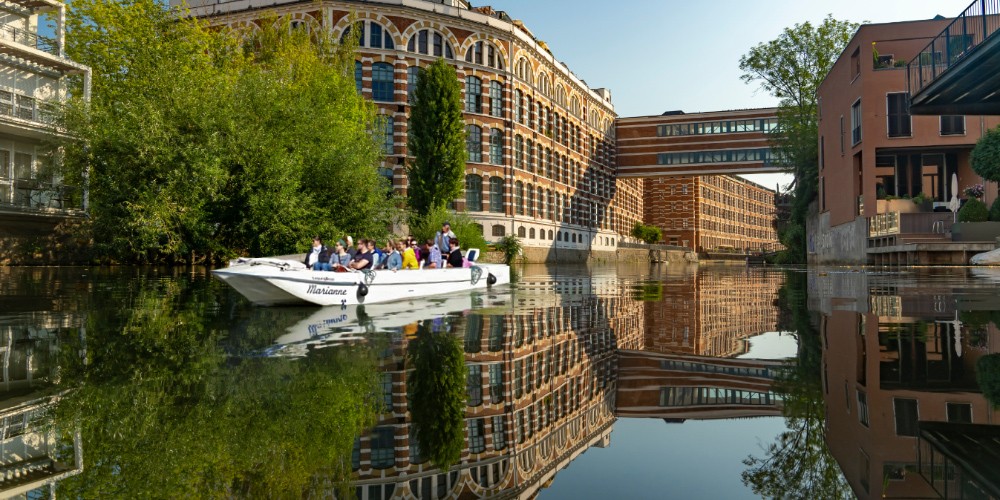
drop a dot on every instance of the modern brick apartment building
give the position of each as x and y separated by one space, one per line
540 140
682 156
871 147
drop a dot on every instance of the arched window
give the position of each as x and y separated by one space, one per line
518 106
519 152
531 203
574 105
520 232
560 95
523 70
473 193
358 75
519 200
377 36
473 94
382 84
496 146
543 83
486 54
496 195
550 234
412 75
474 143
431 43
531 234
496 98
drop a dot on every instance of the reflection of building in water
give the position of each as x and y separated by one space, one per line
541 389
893 377
712 314
677 387
32 458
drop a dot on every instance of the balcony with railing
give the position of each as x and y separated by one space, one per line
958 72
32 195
25 108
29 38
896 228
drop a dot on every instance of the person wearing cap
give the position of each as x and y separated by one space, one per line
443 240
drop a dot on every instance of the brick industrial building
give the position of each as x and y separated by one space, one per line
681 156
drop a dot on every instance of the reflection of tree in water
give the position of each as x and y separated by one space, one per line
164 413
437 387
799 464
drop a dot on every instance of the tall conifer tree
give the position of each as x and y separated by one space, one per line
436 139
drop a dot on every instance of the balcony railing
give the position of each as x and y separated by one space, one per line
895 223
36 195
27 108
31 39
967 32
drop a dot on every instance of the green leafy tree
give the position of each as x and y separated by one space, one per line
791 68
205 143
988 377
437 394
436 140
648 234
468 232
985 157
973 211
510 247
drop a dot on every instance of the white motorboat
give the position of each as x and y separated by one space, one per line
271 281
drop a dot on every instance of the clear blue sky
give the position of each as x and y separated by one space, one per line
658 55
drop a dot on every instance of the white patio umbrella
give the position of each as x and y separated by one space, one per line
954 203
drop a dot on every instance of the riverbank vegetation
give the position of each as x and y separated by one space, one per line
200 144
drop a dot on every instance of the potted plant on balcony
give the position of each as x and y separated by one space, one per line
923 202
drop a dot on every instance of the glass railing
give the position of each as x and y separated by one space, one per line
969 30
29 38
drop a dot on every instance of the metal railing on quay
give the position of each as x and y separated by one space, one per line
895 223
29 38
969 30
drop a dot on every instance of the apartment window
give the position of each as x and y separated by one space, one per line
412 75
856 122
531 204
496 146
383 448
898 114
531 156
473 193
358 76
519 152
379 37
496 195
474 143
496 381
518 106
862 408
906 416
499 432
474 385
841 134
430 42
959 413
822 153
387 392
519 198
952 125
382 84
473 94
496 101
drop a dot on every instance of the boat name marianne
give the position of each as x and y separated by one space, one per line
316 290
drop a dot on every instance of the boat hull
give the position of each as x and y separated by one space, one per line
268 282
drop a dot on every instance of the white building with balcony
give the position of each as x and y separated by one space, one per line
34 82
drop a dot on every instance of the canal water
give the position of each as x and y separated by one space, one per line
577 382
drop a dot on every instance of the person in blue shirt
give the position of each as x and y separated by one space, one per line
394 259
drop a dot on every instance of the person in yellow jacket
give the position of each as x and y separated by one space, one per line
409 258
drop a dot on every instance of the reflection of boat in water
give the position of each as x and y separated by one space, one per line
328 327
275 281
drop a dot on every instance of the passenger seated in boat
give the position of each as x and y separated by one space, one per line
433 260
340 258
362 259
410 260
378 258
317 254
350 247
394 260
455 256
412 243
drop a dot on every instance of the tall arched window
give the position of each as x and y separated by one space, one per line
473 94
543 83
473 193
496 98
574 105
486 54
382 82
496 146
474 143
518 106
412 75
560 95
377 36
496 194
431 43
530 209
358 75
519 152
519 198
523 70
